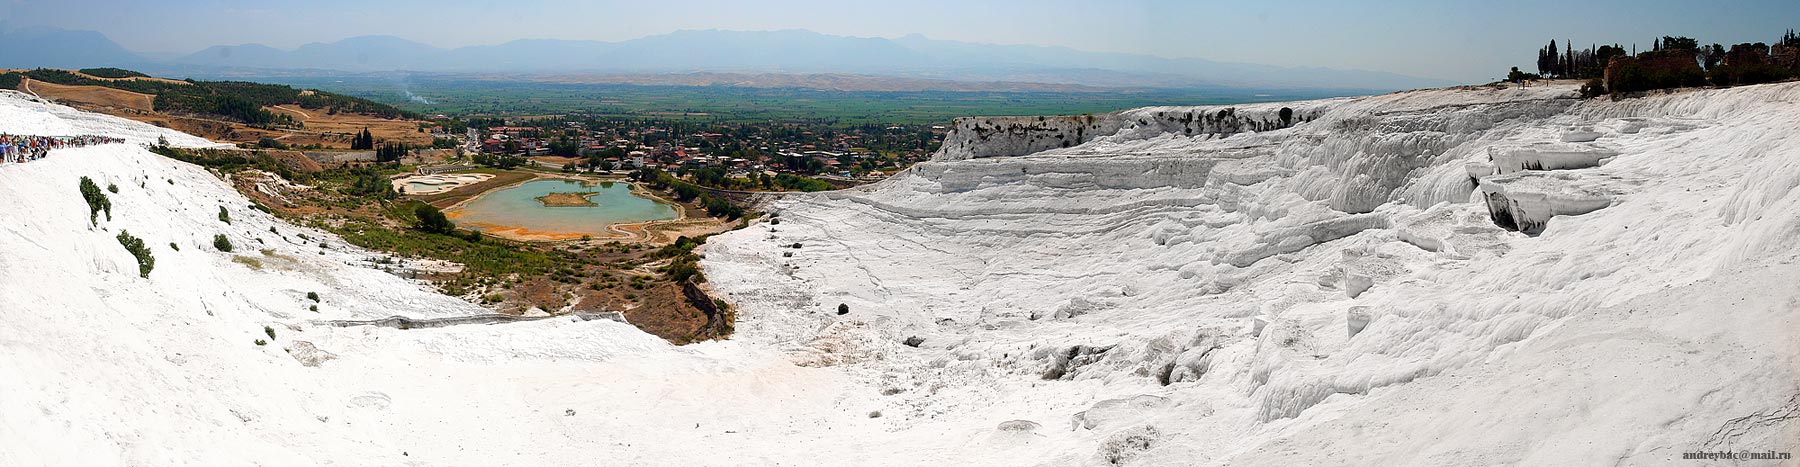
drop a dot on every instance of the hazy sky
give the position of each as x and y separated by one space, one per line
1459 40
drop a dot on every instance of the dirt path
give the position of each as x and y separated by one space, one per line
302 113
94 95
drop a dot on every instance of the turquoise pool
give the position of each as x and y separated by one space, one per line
516 211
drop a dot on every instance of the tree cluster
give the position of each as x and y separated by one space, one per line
1671 62
685 192
498 161
391 152
432 220
363 141
1576 64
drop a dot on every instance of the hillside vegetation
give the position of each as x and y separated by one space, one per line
236 101
1672 62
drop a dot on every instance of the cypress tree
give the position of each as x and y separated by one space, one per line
364 140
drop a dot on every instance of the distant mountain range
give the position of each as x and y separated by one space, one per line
688 51
59 48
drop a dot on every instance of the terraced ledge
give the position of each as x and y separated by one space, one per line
1547 156
1525 201
402 322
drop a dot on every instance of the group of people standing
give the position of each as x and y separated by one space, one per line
20 148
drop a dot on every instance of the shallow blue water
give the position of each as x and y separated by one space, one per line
517 207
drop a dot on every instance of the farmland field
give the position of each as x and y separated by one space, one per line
732 104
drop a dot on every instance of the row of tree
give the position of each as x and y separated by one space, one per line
685 192
1673 61
391 152
1576 64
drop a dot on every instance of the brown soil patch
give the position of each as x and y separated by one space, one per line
319 127
466 192
541 293
322 121
567 199
95 95
666 314
295 160
527 235
557 160
233 132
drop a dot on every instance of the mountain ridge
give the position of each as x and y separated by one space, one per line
795 51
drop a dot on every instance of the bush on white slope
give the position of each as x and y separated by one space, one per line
1340 281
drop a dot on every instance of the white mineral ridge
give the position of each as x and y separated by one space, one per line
1168 289
1330 293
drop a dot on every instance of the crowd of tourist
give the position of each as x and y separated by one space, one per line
18 148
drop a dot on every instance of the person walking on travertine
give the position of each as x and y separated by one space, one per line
14 149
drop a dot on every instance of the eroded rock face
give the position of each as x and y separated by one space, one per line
308 354
1112 413
1548 156
979 137
1025 426
1526 201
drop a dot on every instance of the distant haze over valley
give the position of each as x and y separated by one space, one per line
932 64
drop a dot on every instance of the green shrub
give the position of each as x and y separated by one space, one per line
314 296
261 342
683 268
136 247
270 331
224 216
1593 88
175 247
432 220
112 188
682 246
222 243
96 201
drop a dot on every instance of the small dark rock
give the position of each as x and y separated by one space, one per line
843 309
913 341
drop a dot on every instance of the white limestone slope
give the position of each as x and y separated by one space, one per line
1184 289
1187 286
102 367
